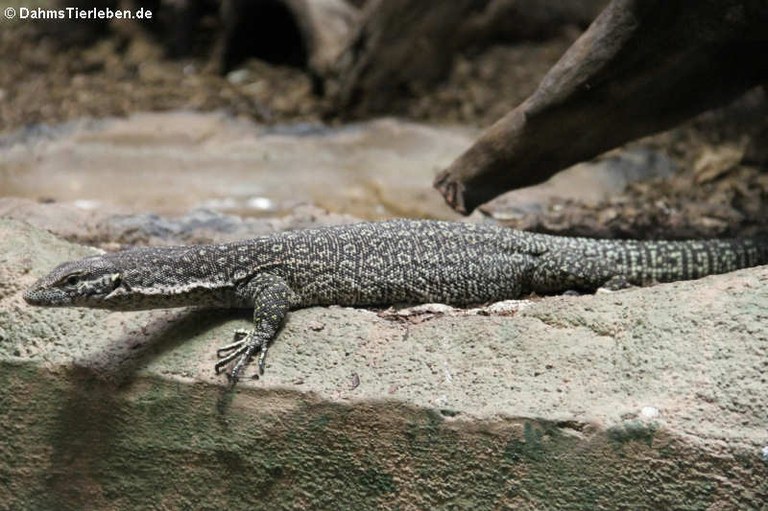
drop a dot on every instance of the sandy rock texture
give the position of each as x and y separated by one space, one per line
645 398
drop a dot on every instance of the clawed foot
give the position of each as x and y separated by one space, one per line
246 343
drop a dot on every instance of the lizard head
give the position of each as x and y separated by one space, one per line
84 283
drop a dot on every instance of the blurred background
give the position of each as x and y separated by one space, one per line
260 107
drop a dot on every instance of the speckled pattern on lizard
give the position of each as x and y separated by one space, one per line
374 263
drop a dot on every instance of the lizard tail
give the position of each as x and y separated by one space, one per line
667 261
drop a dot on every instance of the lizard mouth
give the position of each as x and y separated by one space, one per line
39 295
44 293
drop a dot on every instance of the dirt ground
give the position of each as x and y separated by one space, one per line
46 78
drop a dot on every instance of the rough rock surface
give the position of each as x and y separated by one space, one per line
645 399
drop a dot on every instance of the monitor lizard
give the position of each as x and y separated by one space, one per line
374 263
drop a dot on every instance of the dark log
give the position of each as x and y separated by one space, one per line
399 43
642 67
402 47
525 20
301 33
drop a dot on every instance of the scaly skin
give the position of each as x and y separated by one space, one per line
374 263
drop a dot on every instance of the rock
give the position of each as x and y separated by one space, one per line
632 399
169 163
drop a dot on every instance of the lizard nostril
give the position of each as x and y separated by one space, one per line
29 296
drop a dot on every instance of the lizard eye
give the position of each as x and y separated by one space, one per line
71 280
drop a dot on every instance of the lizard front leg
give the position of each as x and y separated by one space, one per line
271 298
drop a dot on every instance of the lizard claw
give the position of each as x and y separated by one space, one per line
246 343
240 334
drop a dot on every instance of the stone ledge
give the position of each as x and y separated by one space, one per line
646 398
